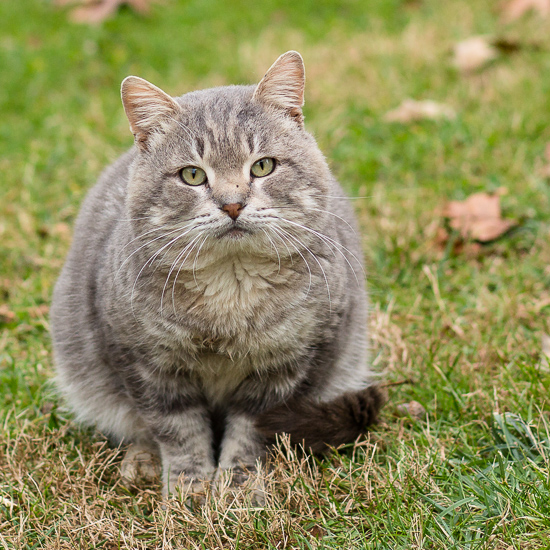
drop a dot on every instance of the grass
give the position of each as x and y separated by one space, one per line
463 325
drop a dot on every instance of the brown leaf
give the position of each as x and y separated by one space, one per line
317 531
478 217
39 311
510 45
97 11
473 53
514 9
413 409
411 110
6 315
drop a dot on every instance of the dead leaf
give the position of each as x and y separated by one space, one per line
478 217
39 311
411 110
514 9
473 53
97 11
413 409
6 315
317 531
510 45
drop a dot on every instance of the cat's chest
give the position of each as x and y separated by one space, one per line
240 289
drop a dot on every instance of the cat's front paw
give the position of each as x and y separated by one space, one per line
242 482
185 487
140 464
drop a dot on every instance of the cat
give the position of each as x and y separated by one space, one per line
214 295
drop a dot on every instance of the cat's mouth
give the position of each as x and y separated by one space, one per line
235 232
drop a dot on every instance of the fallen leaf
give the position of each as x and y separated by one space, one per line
510 45
473 53
97 11
6 315
514 9
39 311
317 531
478 217
413 409
411 110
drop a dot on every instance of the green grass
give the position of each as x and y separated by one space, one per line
463 325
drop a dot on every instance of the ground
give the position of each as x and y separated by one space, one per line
456 325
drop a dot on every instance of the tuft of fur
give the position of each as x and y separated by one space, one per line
318 426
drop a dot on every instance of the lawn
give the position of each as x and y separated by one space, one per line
456 326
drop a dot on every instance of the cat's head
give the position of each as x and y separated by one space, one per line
226 169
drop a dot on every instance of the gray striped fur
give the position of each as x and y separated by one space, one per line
169 329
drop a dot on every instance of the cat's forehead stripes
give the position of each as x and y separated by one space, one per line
226 144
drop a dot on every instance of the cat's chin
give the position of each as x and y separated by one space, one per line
235 233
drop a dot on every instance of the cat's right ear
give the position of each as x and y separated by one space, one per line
283 85
147 107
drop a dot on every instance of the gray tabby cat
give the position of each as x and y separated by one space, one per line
213 295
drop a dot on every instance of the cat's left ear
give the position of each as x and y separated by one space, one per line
283 85
147 107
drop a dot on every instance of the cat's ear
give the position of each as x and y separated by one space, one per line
147 107
283 85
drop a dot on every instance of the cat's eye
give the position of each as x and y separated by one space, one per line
191 175
263 167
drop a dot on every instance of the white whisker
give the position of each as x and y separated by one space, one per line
284 242
195 262
152 259
327 240
275 248
324 211
173 266
283 232
183 126
343 197
194 243
148 243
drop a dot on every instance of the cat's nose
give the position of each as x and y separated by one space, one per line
233 209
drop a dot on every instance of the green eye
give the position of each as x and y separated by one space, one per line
263 167
191 175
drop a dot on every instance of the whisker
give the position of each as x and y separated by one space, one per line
173 266
332 248
283 233
152 259
148 243
183 126
194 243
321 210
275 248
327 239
134 219
284 242
342 197
195 261
314 256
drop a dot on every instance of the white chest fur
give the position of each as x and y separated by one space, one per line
235 286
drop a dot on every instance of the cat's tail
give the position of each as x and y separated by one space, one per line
319 426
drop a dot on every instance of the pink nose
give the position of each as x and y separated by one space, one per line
233 210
